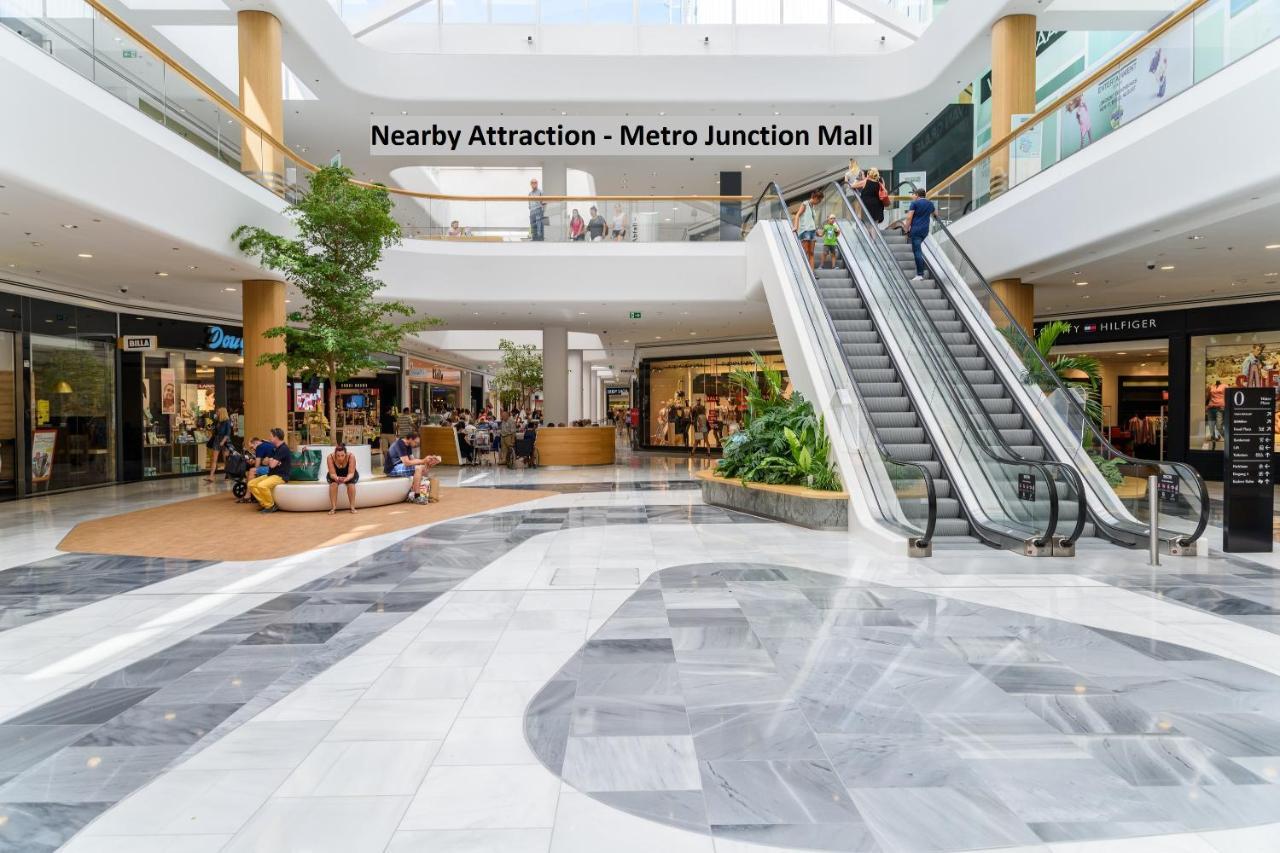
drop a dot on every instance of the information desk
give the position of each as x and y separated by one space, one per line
576 445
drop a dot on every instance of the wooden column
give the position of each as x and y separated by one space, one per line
1020 298
261 96
265 393
1013 84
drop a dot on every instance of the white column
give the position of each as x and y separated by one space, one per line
555 182
575 385
600 400
555 373
587 375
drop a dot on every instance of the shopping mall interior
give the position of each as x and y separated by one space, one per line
699 426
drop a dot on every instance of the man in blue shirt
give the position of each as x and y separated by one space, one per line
278 459
917 229
400 461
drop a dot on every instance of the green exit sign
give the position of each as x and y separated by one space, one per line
635 315
129 53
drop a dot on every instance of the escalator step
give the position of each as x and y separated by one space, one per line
874 376
872 390
890 420
902 435
865 351
911 452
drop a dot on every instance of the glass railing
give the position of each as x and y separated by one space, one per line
1117 482
904 491
1062 483
1014 502
585 219
90 39
1189 46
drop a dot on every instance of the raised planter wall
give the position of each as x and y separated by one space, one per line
792 504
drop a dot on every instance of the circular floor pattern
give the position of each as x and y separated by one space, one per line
786 707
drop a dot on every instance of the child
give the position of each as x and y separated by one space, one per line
830 235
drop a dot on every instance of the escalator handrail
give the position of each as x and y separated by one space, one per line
1069 472
1017 330
931 490
1005 460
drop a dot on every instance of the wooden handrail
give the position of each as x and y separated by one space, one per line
1115 62
279 145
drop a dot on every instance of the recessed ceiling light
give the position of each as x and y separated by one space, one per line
657 337
1167 267
1122 353
84 255
76 226
625 341
229 289
693 333
1273 273
1273 245
748 166
1196 237
1081 283
163 274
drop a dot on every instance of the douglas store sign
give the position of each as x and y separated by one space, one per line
1120 327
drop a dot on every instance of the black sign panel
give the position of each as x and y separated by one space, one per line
1027 487
1248 477
1167 487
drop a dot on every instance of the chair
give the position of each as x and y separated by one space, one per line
482 444
525 449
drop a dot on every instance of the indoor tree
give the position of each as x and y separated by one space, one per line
520 373
342 229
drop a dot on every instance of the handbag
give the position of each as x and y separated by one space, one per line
306 465
883 195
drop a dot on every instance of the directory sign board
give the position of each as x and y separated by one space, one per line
1248 477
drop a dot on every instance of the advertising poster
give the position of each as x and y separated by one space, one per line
43 444
1160 71
1244 365
1025 150
168 392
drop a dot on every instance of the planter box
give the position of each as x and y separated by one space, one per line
792 504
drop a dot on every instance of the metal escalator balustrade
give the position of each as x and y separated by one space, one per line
1003 488
1063 422
909 493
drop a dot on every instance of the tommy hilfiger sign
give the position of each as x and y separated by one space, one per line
1122 326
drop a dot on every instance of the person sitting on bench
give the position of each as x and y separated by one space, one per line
278 459
399 461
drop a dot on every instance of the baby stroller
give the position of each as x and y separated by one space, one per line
237 468
525 450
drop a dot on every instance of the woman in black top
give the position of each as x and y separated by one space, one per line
219 442
342 471
869 189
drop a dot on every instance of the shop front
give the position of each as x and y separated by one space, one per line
175 378
1165 375
434 389
617 400
673 391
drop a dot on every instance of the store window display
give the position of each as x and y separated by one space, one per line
72 412
1220 363
181 392
691 403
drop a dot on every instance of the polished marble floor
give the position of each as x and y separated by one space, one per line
619 667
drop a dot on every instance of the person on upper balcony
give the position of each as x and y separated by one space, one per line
537 210
917 228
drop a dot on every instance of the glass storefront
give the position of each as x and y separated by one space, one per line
8 416
1220 362
181 393
434 389
73 395
672 390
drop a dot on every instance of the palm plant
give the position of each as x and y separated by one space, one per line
1061 369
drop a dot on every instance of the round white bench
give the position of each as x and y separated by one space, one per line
314 496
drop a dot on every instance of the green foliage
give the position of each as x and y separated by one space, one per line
1110 469
342 230
784 442
520 374
1065 367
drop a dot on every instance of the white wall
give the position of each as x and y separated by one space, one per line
1188 163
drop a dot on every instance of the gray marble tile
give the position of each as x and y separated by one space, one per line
762 731
43 826
23 746
649 763
1231 734
629 651
84 706
312 633
660 679
89 774
630 715
956 820
886 761
685 809
1167 760
156 725
782 792
849 837
1080 789
1088 714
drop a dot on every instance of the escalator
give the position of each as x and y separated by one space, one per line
1036 415
924 413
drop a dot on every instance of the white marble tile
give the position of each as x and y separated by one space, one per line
584 825
314 702
500 698
361 769
522 667
190 802
146 844
486 740
397 719
500 797
321 825
262 745
471 841
422 682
